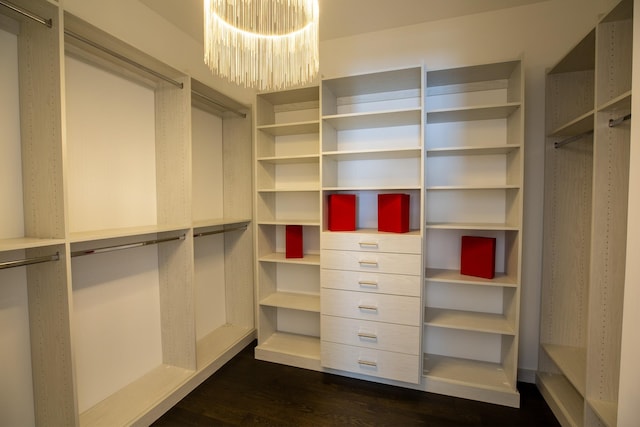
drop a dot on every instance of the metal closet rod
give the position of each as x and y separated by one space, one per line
27 13
219 104
29 261
612 123
224 230
615 122
125 246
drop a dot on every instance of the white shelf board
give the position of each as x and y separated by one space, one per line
606 411
290 189
293 301
403 153
377 119
298 128
471 187
213 345
377 82
89 236
214 222
291 349
565 402
279 257
572 362
619 103
27 243
468 321
454 276
293 221
577 126
283 160
472 226
135 400
473 151
467 114
292 96
375 231
466 372
472 74
378 188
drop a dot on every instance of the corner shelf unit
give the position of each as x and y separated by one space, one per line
287 177
474 186
585 223
129 244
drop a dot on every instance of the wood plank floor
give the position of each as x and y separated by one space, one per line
251 392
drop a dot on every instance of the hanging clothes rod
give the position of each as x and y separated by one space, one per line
28 14
29 261
619 120
224 230
123 58
572 139
125 246
219 104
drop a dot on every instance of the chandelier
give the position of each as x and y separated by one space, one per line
266 44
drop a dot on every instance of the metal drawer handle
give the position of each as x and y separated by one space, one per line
369 244
367 262
367 335
367 363
368 307
369 283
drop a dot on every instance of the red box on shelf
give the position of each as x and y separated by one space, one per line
293 241
342 212
478 256
393 213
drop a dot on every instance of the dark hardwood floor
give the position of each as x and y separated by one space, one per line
251 392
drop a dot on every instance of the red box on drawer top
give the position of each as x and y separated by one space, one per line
478 256
293 241
393 213
342 212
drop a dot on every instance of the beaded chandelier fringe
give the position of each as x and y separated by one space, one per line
266 44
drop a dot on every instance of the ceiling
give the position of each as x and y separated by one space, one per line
342 18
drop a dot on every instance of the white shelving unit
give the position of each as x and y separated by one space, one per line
474 168
287 171
123 243
585 223
372 143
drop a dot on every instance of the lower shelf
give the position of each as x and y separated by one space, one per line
606 411
290 349
211 347
483 381
563 399
134 401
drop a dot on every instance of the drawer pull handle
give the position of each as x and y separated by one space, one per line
369 283
369 244
368 263
368 307
367 363
367 335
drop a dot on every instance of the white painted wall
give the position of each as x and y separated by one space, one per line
541 32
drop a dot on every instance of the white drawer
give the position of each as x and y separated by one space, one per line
409 243
367 306
376 335
397 284
377 363
372 262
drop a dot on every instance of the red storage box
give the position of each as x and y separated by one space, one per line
393 213
342 212
478 256
293 241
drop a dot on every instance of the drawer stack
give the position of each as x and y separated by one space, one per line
370 304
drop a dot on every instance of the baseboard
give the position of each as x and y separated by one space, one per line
527 375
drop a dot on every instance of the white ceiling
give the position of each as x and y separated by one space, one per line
341 18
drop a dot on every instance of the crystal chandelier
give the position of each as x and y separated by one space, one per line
266 44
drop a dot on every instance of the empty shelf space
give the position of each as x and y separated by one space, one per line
88 236
374 120
565 402
454 276
291 221
290 189
472 226
312 126
468 321
27 243
621 102
293 301
283 160
130 403
291 349
486 375
402 153
487 112
606 411
577 126
572 362
280 257
213 345
472 187
380 188
474 74
472 151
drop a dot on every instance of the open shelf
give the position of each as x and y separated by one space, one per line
291 159
373 120
488 150
471 226
290 349
487 112
216 343
286 129
303 302
404 153
565 402
280 257
27 243
454 276
577 126
606 411
468 321
572 362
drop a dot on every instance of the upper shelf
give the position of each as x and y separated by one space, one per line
312 126
472 151
485 112
406 153
384 81
390 118
580 58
